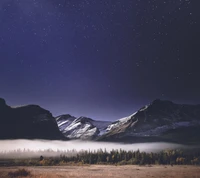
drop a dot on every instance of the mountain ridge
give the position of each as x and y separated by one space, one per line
80 127
160 120
30 121
156 119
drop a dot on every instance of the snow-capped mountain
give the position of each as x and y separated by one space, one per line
81 128
158 121
154 120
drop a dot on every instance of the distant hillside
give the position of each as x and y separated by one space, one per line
31 122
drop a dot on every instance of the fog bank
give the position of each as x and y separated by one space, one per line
35 145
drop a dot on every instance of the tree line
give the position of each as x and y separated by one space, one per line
114 157
166 157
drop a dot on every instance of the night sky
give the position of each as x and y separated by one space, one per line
99 58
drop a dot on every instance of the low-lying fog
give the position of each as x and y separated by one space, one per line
32 148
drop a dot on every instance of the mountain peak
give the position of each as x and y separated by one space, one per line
83 119
159 102
30 121
2 102
61 118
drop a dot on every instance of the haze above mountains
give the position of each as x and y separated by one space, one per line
157 121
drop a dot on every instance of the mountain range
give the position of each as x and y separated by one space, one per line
158 121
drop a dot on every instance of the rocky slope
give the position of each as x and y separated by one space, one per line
81 128
31 122
160 120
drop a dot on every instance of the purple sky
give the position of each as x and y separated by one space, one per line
99 58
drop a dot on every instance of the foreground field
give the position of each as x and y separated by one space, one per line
98 171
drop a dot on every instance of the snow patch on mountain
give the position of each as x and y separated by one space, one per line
119 122
64 121
81 128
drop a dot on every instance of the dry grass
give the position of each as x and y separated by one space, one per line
19 173
103 171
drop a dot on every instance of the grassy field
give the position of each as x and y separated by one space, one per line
103 171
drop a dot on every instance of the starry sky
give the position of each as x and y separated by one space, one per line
99 58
